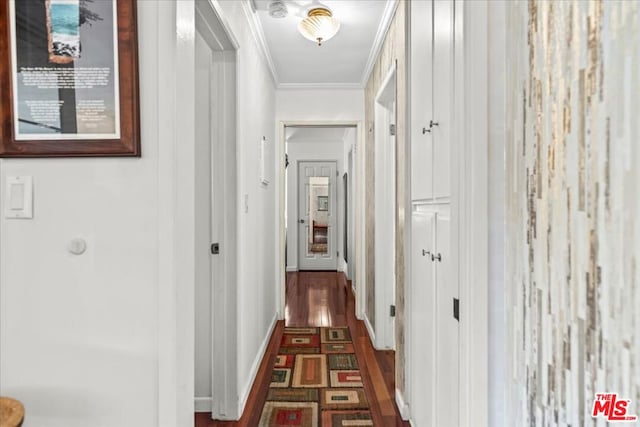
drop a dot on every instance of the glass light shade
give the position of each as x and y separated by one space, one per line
319 25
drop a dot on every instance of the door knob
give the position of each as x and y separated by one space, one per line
301 221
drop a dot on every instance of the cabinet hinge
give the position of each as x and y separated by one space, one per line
392 130
392 310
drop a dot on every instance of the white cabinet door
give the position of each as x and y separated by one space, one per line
447 336
421 100
423 320
443 37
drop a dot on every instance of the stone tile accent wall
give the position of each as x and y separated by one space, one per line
393 49
573 208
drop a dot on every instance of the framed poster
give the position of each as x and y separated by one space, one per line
323 203
69 78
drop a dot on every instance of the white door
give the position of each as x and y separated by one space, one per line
447 340
423 320
206 219
215 198
385 212
421 100
443 70
317 216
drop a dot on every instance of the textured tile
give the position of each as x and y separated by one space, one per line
573 232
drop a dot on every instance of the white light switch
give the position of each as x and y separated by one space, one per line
19 197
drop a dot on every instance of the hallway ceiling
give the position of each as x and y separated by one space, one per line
342 62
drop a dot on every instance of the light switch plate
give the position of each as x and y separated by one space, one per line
19 197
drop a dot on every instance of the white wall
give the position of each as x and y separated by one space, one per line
92 339
79 334
320 105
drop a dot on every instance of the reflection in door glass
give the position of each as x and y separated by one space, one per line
318 214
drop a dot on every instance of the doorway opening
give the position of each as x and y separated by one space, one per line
320 199
215 214
315 210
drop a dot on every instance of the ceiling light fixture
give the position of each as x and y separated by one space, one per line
319 25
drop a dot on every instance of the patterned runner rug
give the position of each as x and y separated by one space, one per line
316 382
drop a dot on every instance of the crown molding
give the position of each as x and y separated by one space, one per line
325 86
383 28
258 34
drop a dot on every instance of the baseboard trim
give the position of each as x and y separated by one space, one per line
402 405
292 269
244 396
372 334
203 404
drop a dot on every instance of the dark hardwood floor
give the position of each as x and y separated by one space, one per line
324 299
316 299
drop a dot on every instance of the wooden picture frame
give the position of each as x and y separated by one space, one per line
69 78
323 203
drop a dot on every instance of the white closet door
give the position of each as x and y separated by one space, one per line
421 100
443 37
447 341
423 320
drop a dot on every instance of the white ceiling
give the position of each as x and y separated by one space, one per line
343 61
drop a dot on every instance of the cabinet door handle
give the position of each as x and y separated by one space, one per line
425 253
432 123
436 257
425 130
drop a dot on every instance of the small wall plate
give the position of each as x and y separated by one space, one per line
19 197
